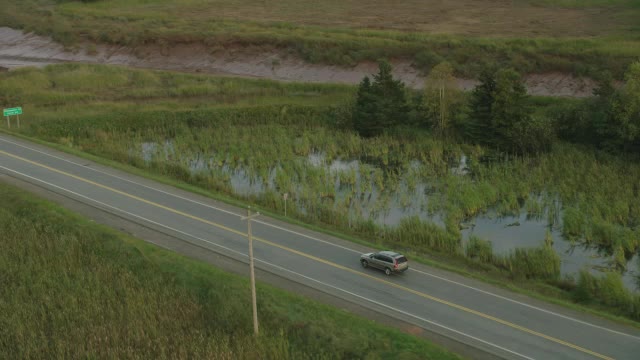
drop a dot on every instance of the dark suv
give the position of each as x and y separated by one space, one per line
388 261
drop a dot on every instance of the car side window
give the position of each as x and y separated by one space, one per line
387 259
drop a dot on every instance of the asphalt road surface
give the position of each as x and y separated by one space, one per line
492 320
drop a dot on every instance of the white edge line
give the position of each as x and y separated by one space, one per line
399 311
179 197
528 305
330 243
270 264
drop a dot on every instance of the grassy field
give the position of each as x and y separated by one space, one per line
73 289
256 126
531 36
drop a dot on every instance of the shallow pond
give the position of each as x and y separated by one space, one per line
507 233
353 186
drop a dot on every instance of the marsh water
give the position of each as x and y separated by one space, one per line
411 199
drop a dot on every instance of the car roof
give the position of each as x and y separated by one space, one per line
390 253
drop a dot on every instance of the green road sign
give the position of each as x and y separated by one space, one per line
12 111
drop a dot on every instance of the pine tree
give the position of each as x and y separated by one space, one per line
479 128
381 105
509 110
363 115
500 116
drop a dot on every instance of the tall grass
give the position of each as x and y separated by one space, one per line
268 131
589 47
73 289
531 263
528 263
413 233
479 249
598 194
609 291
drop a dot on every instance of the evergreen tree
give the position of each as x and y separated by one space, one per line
479 128
363 114
390 93
500 117
380 105
509 111
611 119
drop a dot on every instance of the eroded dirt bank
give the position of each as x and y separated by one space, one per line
18 49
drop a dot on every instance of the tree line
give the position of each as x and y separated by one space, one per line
498 113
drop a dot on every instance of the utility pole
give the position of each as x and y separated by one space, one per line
252 274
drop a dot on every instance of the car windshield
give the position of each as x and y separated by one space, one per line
401 260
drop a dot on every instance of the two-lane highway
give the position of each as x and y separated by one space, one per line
479 316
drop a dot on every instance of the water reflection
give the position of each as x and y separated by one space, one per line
355 186
510 232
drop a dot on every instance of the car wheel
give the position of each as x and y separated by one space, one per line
364 263
387 271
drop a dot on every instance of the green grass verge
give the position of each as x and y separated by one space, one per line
72 288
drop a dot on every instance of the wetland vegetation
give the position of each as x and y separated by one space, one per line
410 187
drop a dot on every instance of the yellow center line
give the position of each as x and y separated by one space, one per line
315 258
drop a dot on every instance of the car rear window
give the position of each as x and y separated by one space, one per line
401 260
